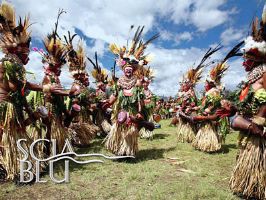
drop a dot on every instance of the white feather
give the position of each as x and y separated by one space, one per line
251 44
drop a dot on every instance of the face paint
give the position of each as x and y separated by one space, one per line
128 71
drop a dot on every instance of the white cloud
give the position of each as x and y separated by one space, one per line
108 21
185 36
169 66
235 73
200 13
206 14
35 65
231 35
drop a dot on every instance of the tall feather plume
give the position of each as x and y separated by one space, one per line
148 72
195 74
69 40
217 72
140 50
263 23
208 54
234 51
115 49
75 56
254 29
258 30
54 45
12 35
114 78
98 73
135 40
8 17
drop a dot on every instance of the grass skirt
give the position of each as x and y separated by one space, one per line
123 140
83 133
106 126
207 138
59 133
37 131
146 134
103 124
185 131
249 175
13 130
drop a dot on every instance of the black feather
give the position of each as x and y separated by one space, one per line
151 39
207 55
233 52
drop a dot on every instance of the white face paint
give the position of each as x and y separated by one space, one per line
128 71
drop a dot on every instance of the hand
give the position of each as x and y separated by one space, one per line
56 89
139 116
207 110
105 105
185 117
93 106
256 129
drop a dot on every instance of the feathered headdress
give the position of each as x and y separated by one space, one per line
255 45
194 75
75 57
148 73
56 50
13 35
218 71
134 55
99 74
145 73
112 81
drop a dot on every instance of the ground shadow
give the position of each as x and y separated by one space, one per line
226 148
95 146
152 154
160 136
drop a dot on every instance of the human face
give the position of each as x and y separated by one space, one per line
249 64
24 56
103 87
145 85
226 104
186 87
128 72
57 69
207 86
22 52
86 81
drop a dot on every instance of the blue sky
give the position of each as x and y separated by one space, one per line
188 28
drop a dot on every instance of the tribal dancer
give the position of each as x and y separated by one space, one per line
14 43
102 119
149 102
82 128
214 111
249 175
128 99
53 61
186 131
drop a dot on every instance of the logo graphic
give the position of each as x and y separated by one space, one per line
27 170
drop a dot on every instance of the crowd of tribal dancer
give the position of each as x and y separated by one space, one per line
122 109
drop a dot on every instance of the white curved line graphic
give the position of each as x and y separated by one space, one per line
79 162
67 154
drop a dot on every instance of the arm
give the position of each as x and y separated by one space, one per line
112 99
33 86
264 80
55 89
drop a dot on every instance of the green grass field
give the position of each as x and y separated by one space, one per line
189 174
